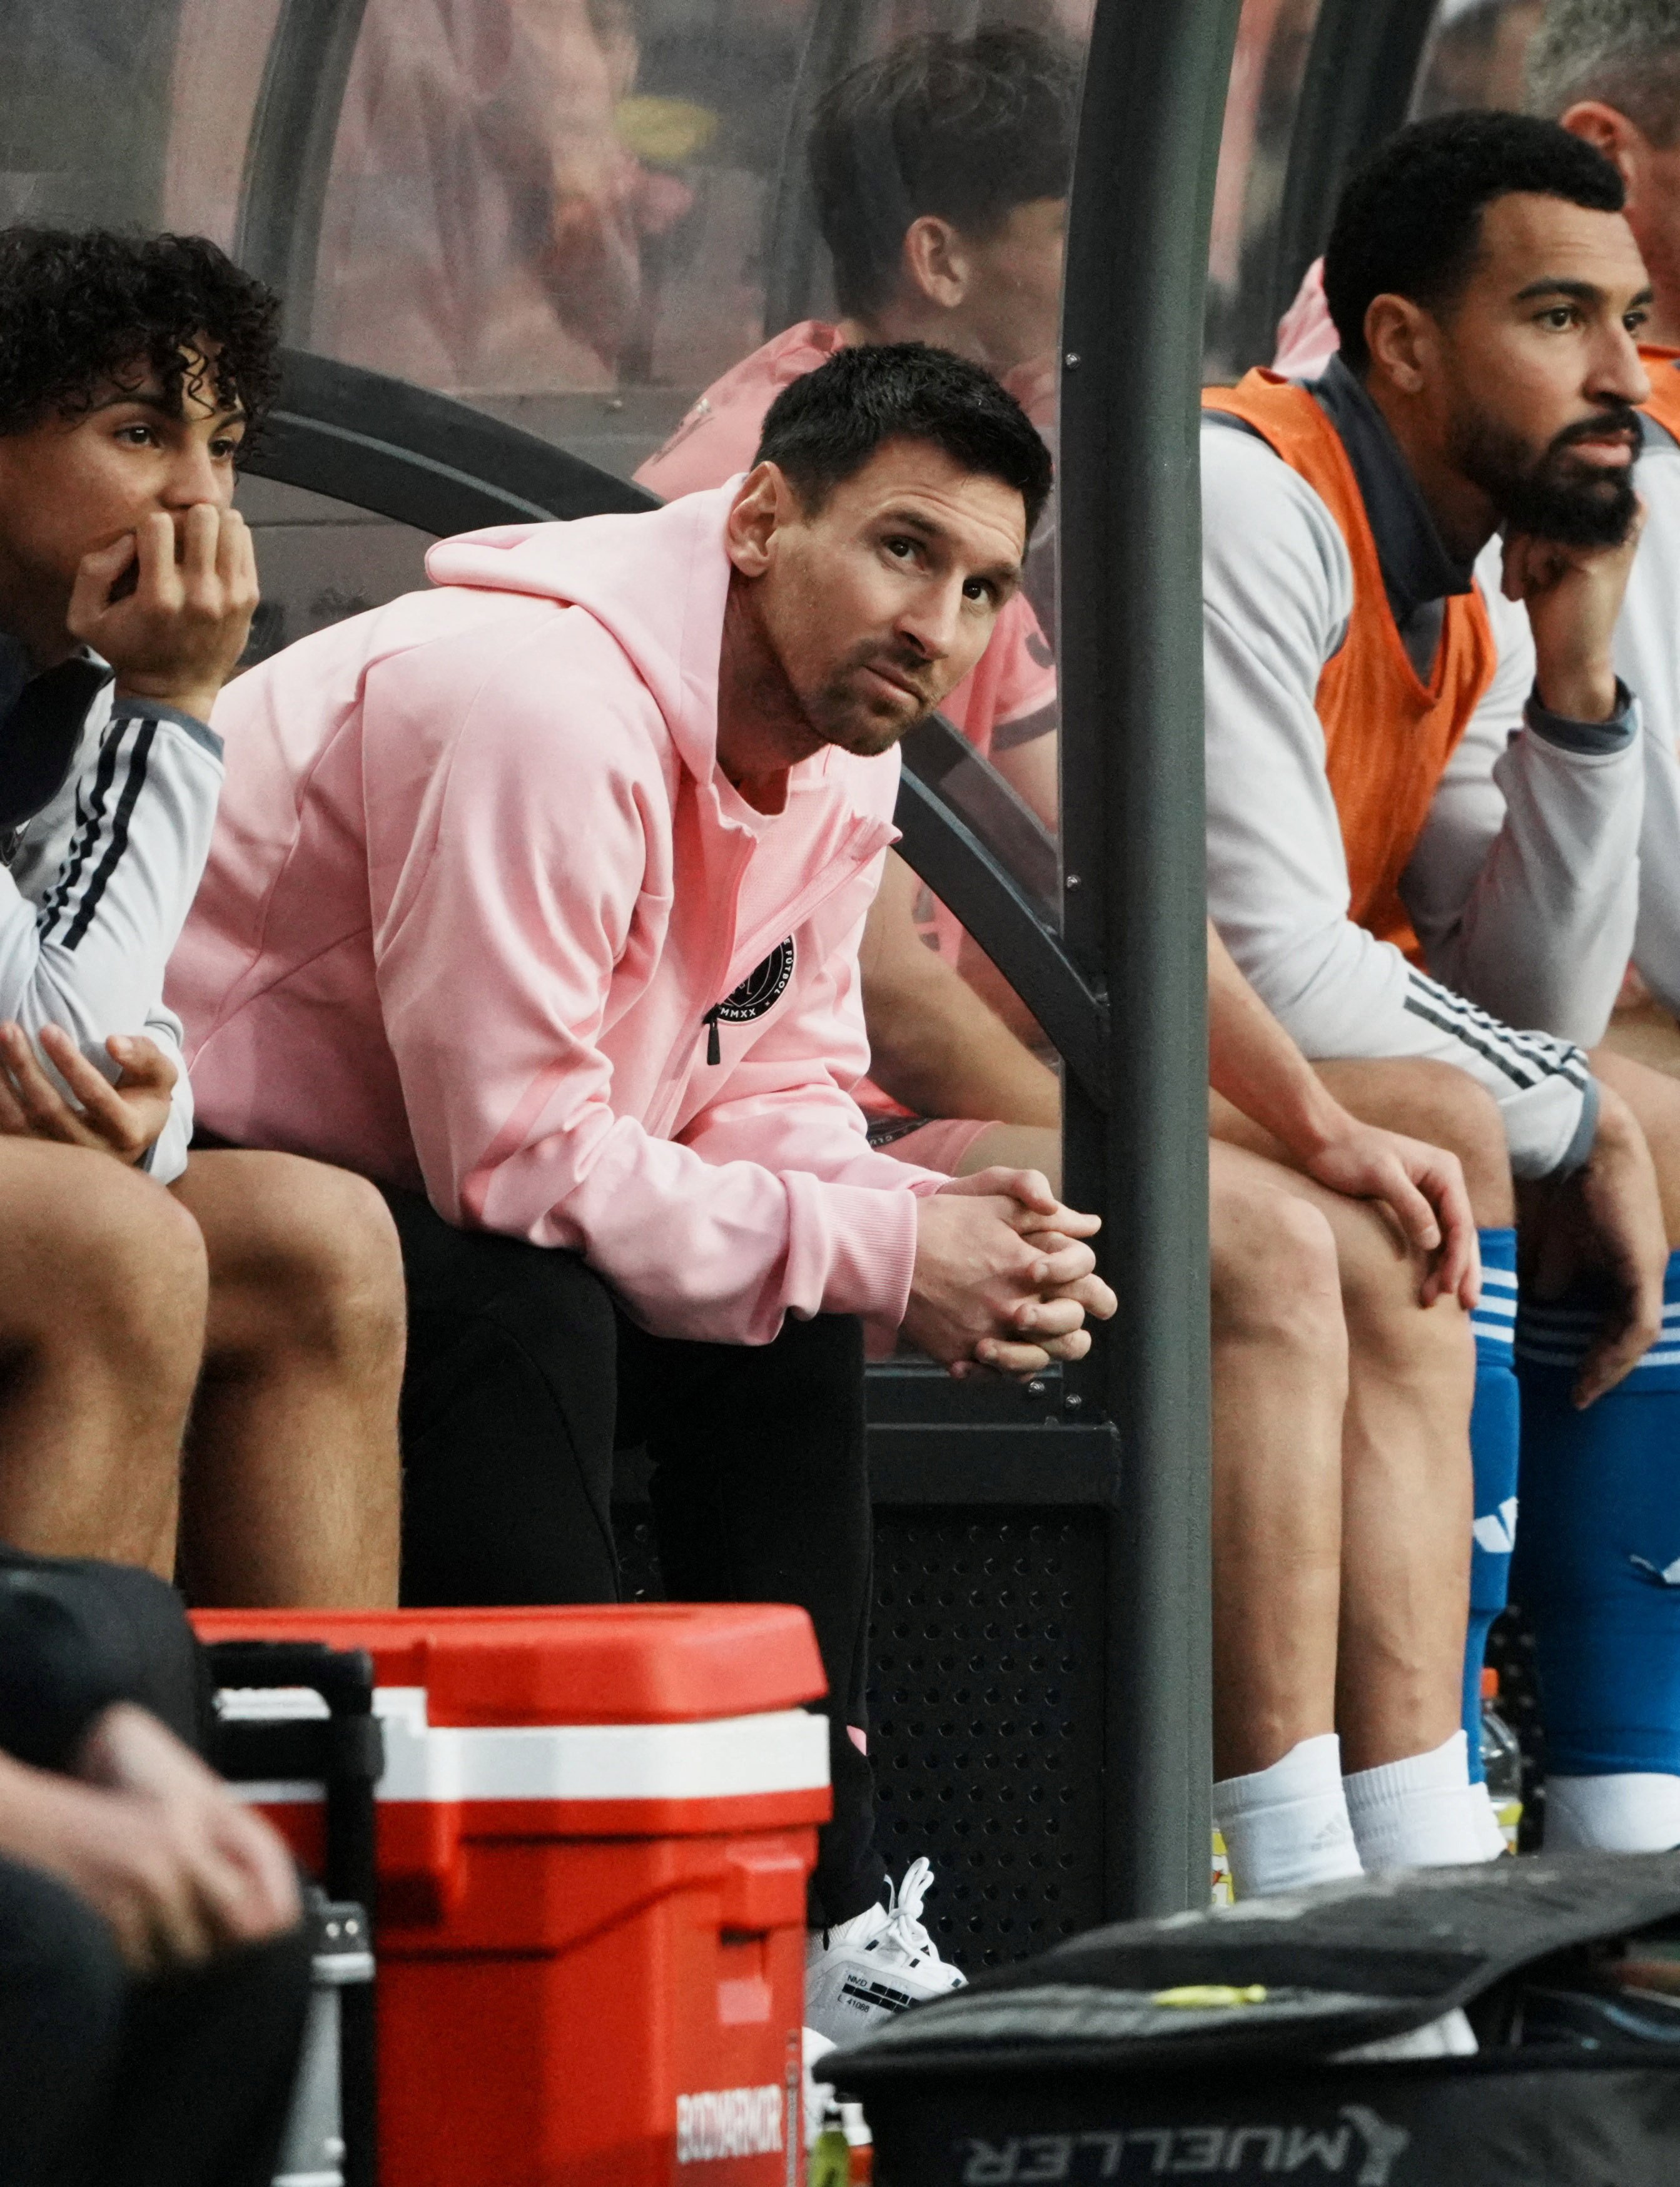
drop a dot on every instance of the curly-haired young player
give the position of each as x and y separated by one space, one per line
130 367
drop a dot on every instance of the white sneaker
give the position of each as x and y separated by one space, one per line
875 1965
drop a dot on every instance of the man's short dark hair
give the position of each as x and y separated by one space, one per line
823 429
966 128
80 310
1409 222
1624 53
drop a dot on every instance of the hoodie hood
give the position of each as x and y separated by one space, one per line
658 581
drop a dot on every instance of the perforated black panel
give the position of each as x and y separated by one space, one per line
986 1714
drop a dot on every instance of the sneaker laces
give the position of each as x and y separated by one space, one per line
902 1929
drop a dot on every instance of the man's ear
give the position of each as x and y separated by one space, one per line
1400 338
1609 131
935 261
763 504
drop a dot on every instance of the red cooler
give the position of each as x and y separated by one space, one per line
595 1828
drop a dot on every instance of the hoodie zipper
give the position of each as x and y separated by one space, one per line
839 870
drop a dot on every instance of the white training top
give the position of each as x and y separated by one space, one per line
1524 900
1647 658
95 885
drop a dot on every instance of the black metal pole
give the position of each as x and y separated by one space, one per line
1135 886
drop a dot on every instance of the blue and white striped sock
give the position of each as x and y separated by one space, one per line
1494 1437
1599 1568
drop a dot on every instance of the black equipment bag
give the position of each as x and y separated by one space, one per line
1217 2044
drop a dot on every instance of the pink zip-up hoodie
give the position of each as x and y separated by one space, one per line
483 914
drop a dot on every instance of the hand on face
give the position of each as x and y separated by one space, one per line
169 605
1573 595
1003 1278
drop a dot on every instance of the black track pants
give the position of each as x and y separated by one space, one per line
105 2083
522 1379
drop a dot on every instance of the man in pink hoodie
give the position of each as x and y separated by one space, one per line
540 894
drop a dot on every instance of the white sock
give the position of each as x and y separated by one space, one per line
1418 1813
1487 1821
1287 1827
1635 1811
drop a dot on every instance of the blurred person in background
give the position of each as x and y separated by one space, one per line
487 216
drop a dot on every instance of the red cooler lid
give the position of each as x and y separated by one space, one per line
637 1663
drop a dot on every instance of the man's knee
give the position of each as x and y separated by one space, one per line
1655 1099
1441 1104
1390 1329
108 1264
301 1254
1274 1271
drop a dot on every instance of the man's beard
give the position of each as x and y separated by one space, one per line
1557 497
838 716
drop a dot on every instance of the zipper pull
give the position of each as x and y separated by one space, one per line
714 1047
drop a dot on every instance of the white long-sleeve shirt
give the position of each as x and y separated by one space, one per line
1648 657
1534 918
96 883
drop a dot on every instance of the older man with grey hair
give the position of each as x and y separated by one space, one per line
1609 70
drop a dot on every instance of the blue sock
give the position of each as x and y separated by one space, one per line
1493 1455
1599 1567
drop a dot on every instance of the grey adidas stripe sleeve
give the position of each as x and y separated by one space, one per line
100 885
1277 593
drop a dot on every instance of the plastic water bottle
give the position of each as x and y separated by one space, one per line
831 2153
1502 1760
1222 1893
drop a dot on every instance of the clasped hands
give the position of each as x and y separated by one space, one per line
1003 1278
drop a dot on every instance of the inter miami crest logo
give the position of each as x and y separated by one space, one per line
761 991
762 988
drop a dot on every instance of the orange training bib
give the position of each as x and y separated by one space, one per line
1387 735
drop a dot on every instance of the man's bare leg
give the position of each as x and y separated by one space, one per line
102 1321
1280 1391
1655 1099
1407 1481
1647 1034
1404 1480
1406 1502
291 1488
1015 1146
